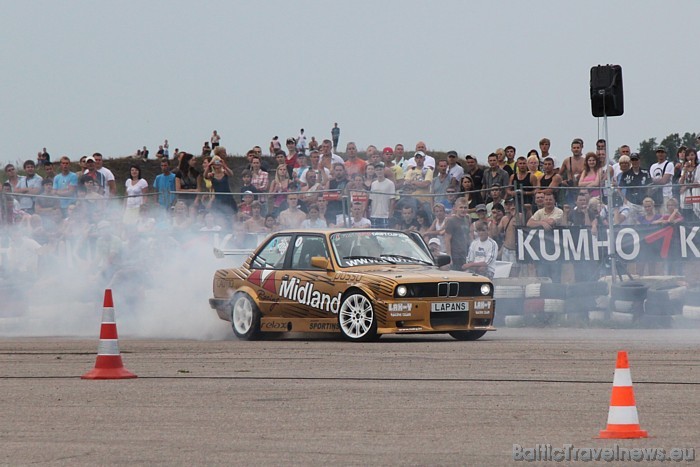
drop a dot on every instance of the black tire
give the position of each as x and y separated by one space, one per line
629 291
467 335
245 317
666 292
663 307
356 318
557 291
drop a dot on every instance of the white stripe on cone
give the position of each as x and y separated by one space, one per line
108 347
623 415
108 315
622 377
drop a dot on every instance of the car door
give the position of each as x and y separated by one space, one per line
307 291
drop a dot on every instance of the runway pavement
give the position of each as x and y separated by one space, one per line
424 400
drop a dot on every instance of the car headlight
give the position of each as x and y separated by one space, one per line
485 289
401 291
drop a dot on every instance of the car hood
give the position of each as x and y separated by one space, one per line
409 274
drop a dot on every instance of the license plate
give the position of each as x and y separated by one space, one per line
443 307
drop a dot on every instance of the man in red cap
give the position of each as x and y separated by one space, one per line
396 170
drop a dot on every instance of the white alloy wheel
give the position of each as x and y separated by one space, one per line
356 318
245 317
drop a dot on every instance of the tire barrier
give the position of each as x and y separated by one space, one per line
650 302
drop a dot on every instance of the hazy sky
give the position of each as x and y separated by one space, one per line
86 76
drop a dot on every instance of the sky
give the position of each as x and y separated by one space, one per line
85 76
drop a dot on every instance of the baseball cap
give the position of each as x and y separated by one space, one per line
291 141
660 149
634 155
434 241
451 153
480 207
89 159
387 150
419 154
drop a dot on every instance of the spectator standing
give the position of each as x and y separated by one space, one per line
353 164
328 157
275 145
418 179
292 217
357 218
279 188
590 177
457 234
291 158
550 180
187 182
215 139
571 170
474 171
136 187
314 221
396 170
399 157
381 198
437 228
453 168
110 186
335 134
473 198
547 218
45 156
483 252
301 142
91 171
522 180
545 144
661 177
634 182
219 174
33 184
494 175
335 203
687 180
65 185
164 185
429 160
441 182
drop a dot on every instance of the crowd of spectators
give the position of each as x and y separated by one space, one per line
461 208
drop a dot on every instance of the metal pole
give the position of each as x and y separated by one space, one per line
611 218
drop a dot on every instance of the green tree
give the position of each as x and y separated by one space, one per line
672 142
647 155
689 140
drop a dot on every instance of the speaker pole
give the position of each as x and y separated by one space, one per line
611 217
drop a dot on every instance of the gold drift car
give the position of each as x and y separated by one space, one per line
361 283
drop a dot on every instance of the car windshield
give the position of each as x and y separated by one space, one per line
361 247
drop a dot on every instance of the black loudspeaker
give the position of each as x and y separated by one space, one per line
606 91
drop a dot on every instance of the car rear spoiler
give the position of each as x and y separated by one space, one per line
219 253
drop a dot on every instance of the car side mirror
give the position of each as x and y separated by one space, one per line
443 260
321 263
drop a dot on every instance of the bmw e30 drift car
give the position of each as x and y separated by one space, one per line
360 283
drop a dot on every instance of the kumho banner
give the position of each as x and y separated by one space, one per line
676 242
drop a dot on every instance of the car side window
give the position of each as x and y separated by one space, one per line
305 248
272 255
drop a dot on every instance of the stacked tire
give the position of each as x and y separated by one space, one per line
562 303
663 302
509 294
691 306
628 301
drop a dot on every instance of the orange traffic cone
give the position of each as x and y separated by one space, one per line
623 421
109 361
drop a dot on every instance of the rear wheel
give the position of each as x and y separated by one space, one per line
356 318
467 335
245 317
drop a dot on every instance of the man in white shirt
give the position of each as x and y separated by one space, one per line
326 151
110 188
381 198
483 251
357 218
661 174
429 160
455 170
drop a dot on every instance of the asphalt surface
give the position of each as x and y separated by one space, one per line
426 400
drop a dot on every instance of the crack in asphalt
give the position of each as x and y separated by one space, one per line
336 378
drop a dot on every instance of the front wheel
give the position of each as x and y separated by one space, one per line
467 335
356 318
245 317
